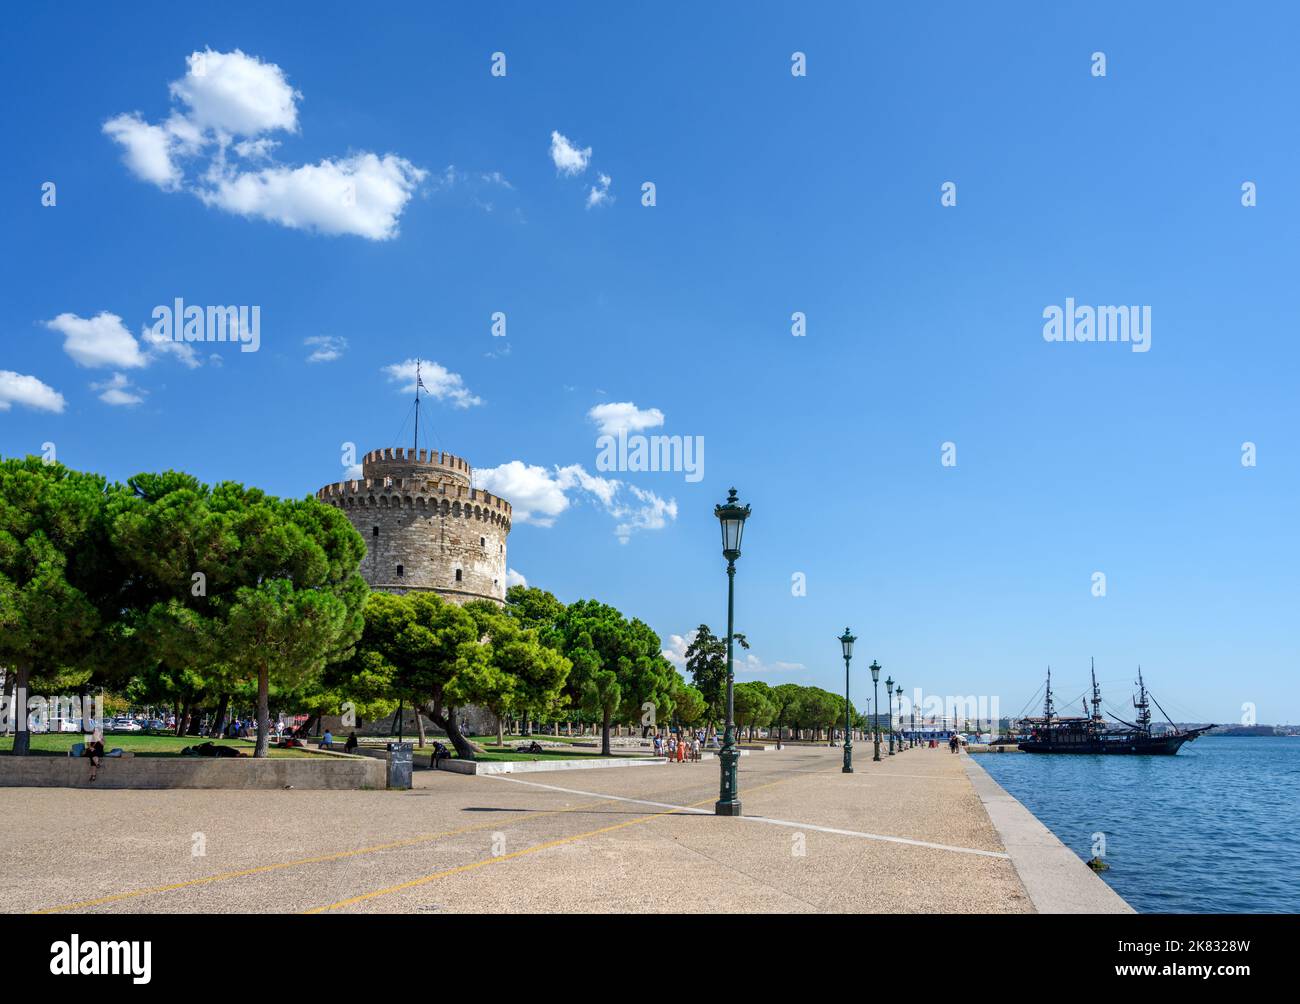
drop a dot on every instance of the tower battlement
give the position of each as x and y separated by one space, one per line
399 460
425 526
413 491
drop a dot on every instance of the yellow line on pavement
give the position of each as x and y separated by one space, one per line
320 859
559 842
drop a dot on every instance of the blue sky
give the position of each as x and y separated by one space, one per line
774 194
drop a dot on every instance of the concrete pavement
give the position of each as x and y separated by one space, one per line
909 834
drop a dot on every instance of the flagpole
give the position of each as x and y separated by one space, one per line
417 407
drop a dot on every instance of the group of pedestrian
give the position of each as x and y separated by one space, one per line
680 748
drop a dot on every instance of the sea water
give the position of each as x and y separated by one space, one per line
1215 829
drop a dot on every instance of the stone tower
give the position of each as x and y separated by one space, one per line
424 526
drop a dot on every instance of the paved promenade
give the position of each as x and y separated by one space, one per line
909 834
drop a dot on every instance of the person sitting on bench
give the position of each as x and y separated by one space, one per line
95 751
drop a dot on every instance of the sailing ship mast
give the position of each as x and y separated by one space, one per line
1048 708
1143 706
1096 694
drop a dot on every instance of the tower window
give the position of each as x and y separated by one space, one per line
399 571
458 575
374 531
482 542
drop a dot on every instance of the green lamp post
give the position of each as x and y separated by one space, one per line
899 694
875 684
846 643
732 515
889 699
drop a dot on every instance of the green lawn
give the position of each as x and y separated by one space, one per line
495 753
58 744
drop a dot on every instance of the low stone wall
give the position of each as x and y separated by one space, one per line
534 766
193 772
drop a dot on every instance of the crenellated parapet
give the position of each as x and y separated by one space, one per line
425 526
395 461
445 498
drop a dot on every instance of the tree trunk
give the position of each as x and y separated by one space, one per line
22 738
604 734
222 707
501 731
419 720
445 719
263 712
11 683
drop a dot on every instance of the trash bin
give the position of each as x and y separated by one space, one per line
399 765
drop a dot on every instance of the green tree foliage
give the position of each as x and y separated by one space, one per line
515 673
429 651
689 705
753 705
617 665
52 551
706 661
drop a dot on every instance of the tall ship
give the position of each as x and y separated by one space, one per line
1090 733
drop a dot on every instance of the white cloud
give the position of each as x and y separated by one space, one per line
438 381
534 494
101 340
624 416
157 345
118 391
256 149
236 94
568 159
745 661
599 194
19 388
326 348
228 95
514 578
647 512
576 476
539 495
750 663
147 149
362 195
675 652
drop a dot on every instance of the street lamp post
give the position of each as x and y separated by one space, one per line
732 515
875 686
899 694
889 699
846 643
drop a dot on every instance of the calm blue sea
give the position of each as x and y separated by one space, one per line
1215 829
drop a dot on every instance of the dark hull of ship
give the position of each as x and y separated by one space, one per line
1116 746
